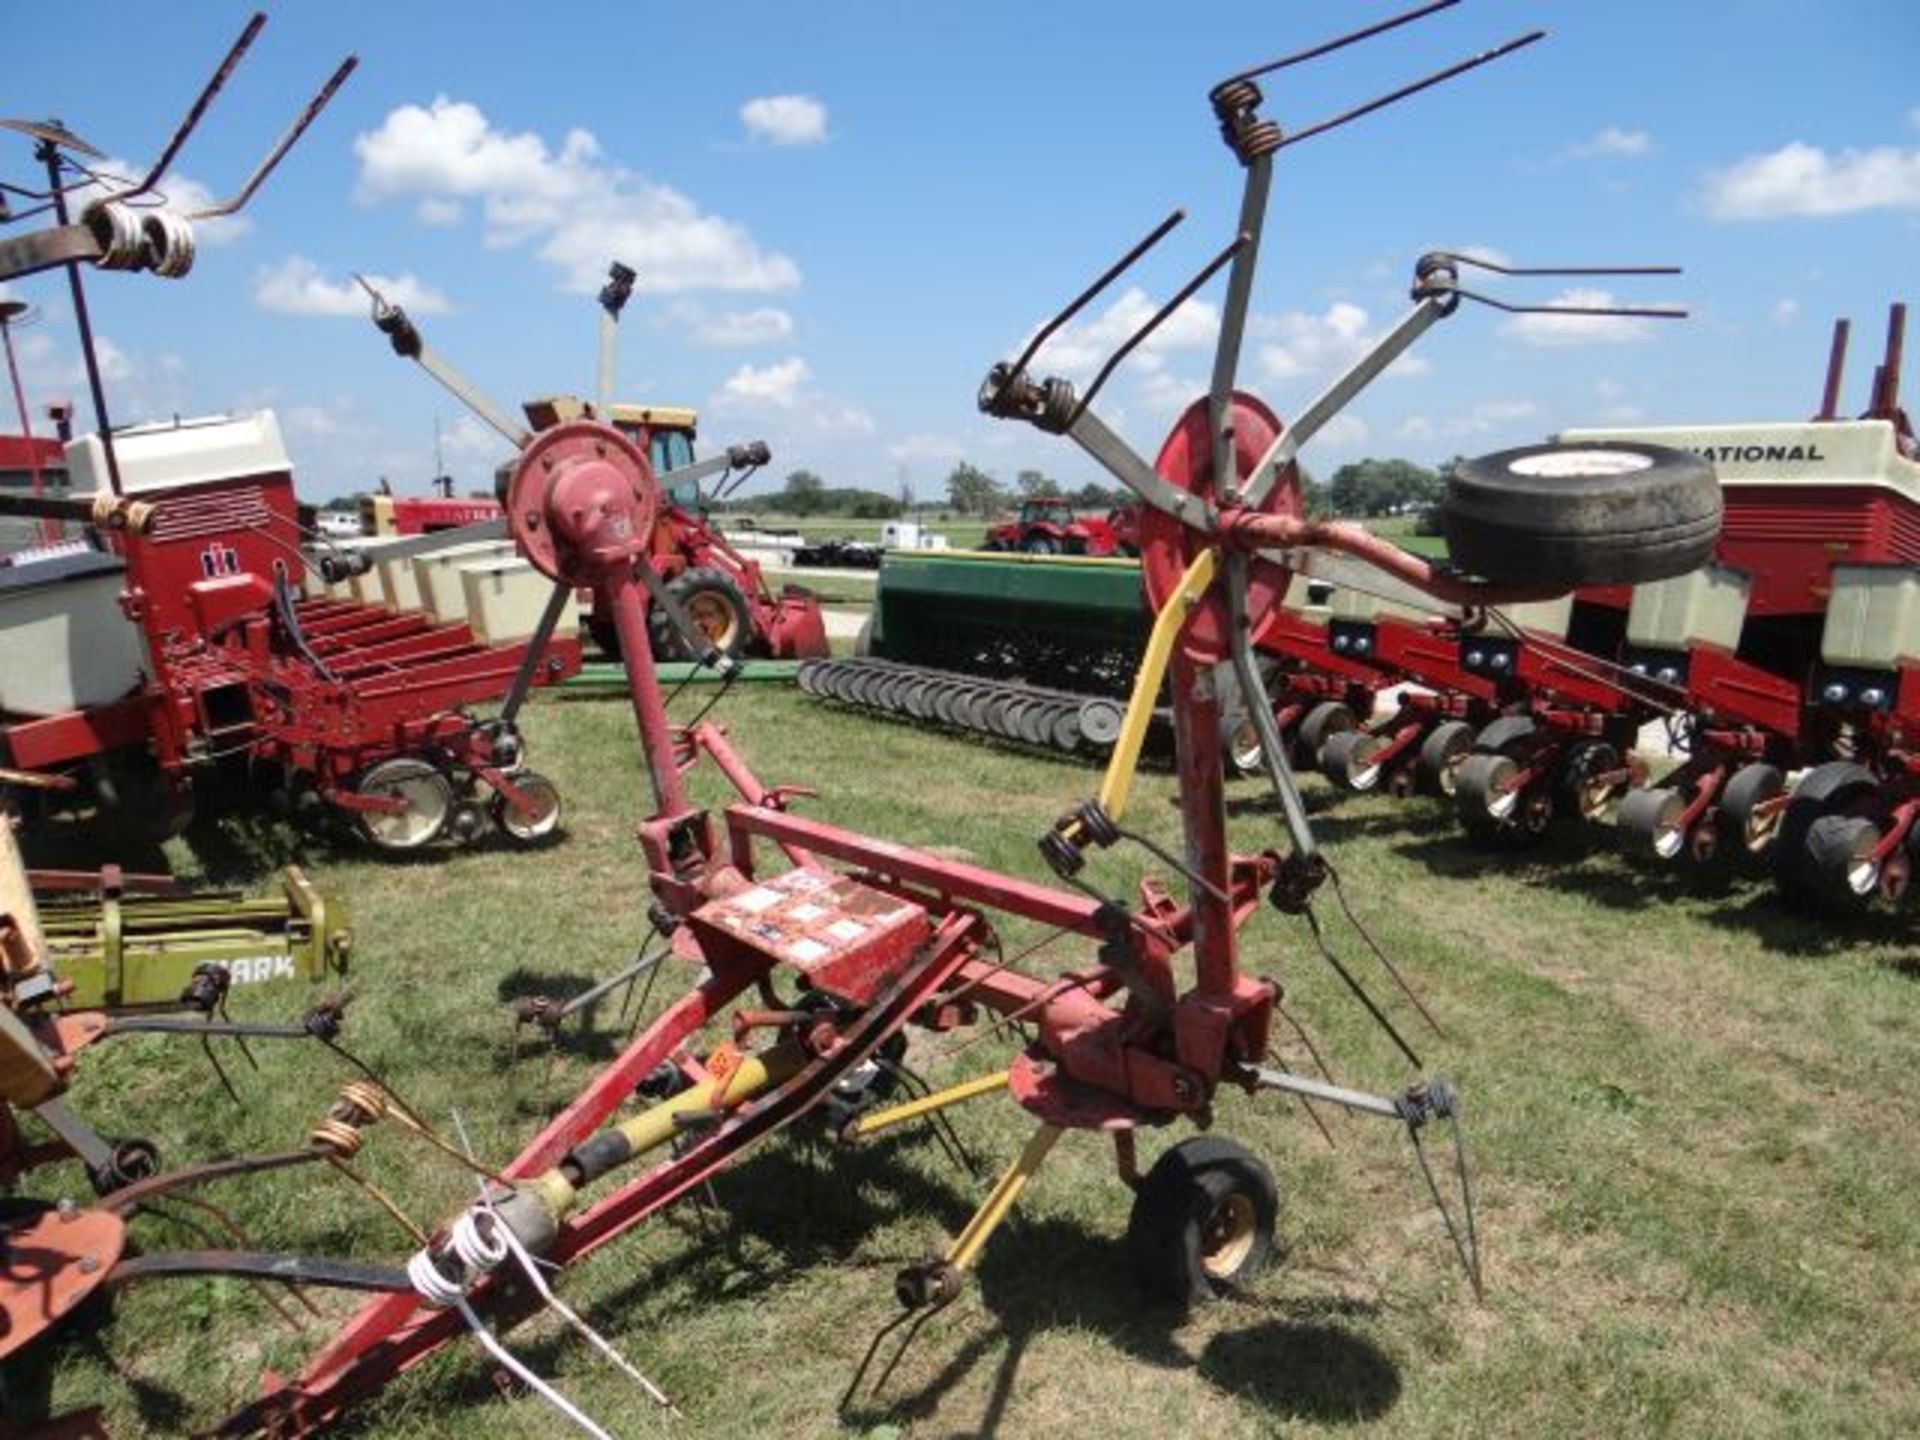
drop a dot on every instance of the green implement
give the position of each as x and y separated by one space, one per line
120 950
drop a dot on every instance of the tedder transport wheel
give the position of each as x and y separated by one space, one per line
1327 718
1839 862
1649 822
1606 513
714 604
1442 752
1202 1221
1745 836
1348 760
544 819
428 796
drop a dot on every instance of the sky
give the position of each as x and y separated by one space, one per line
842 215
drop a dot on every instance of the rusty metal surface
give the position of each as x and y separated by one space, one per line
846 938
50 1261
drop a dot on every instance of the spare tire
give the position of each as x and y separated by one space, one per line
1602 513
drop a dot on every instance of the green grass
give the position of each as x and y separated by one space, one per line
1692 1119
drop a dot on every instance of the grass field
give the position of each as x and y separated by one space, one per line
1692 1119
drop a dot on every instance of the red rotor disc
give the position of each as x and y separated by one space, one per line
581 501
1168 547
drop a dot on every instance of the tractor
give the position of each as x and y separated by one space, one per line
1052 527
724 593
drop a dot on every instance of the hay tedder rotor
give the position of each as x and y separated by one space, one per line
817 947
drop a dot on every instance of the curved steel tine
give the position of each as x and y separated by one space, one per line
1642 312
1159 318
199 107
300 124
1327 47
1480 263
1471 63
1086 296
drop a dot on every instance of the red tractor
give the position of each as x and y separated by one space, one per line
723 592
1051 527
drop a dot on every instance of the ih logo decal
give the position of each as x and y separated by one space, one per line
218 559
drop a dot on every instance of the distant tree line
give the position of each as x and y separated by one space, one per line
1364 489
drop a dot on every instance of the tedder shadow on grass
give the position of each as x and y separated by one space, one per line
1297 1361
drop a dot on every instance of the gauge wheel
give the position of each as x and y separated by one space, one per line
428 796
1745 835
1327 718
1581 786
1349 759
1490 812
1649 823
1839 860
1829 789
1202 1222
530 827
1442 752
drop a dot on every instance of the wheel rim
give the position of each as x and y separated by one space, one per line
428 798
1363 769
545 817
714 617
1667 839
1863 875
1244 750
1227 1236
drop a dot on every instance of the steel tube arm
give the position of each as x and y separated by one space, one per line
1337 396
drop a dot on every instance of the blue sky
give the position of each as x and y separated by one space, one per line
842 214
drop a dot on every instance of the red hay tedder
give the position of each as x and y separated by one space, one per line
814 948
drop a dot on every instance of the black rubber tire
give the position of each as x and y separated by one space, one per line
605 635
1040 545
1504 735
1327 718
1168 1231
1835 857
1489 817
1442 751
1577 795
1746 841
1647 824
1824 790
1604 513
1347 760
703 584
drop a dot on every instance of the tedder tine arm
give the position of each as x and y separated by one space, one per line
613 299
536 649
199 108
394 323
1341 393
235 202
1253 691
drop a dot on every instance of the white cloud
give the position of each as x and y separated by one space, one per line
1612 143
309 420
1081 347
785 119
470 440
1803 180
1302 344
297 286
754 386
1786 310
1551 330
576 208
940 449
1342 432
439 210
736 328
1482 418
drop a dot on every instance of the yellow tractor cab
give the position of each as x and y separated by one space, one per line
665 432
